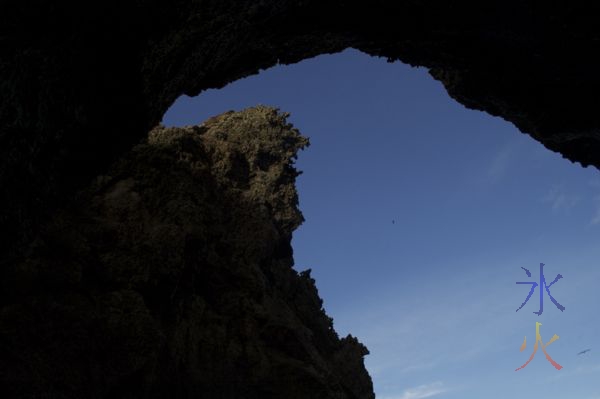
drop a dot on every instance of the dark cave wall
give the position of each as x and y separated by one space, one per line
83 83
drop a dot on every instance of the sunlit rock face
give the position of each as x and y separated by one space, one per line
171 276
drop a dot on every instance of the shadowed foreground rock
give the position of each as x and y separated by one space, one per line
171 277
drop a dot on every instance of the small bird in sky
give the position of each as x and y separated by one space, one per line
393 221
584 351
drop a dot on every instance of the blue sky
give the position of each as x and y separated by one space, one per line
433 295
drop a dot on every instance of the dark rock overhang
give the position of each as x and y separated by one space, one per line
81 84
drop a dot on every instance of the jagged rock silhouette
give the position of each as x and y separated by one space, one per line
171 276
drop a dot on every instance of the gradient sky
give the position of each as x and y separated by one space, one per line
433 295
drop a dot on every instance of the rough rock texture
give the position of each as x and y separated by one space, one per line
171 277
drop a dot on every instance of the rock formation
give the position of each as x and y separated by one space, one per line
81 85
171 277
99 282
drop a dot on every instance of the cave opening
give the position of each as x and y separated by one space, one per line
419 216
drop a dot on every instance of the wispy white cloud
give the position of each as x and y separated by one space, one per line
417 367
402 366
417 340
594 182
501 161
560 200
422 391
596 218
587 369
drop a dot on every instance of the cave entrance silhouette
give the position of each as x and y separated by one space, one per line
406 195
